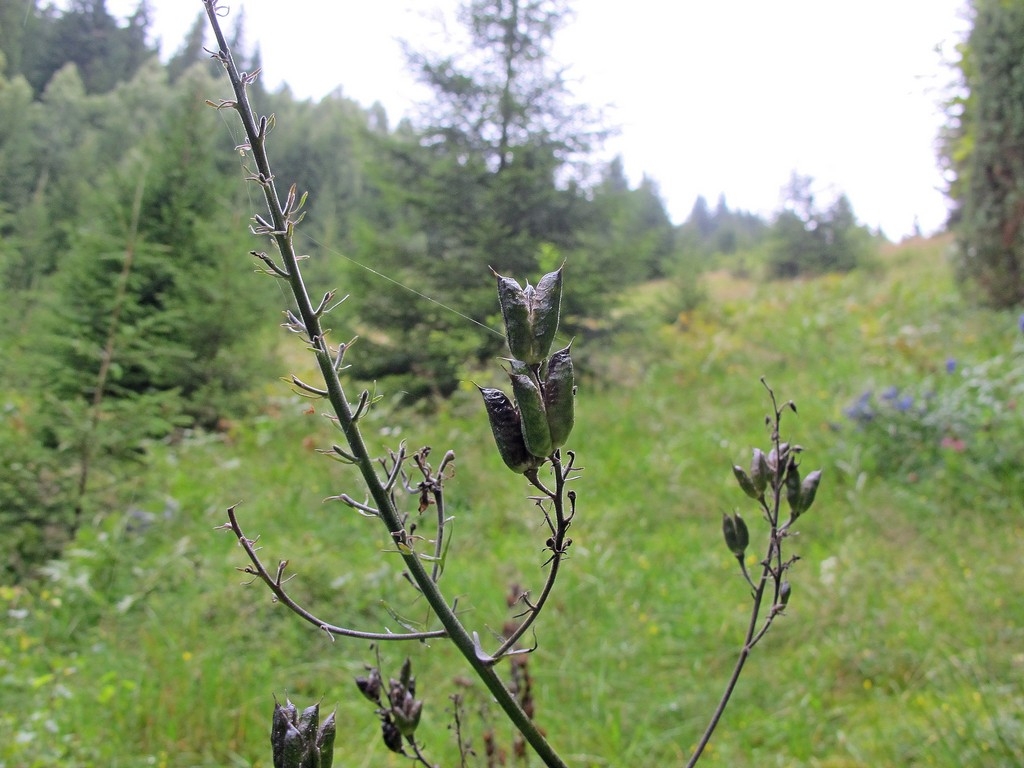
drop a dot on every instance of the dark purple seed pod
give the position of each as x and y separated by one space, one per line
506 426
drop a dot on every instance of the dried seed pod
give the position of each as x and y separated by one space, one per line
294 750
784 592
506 426
737 537
325 741
533 417
559 396
391 735
309 722
283 720
809 489
745 482
793 490
759 472
370 685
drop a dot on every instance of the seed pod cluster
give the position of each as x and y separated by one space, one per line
399 711
540 419
299 740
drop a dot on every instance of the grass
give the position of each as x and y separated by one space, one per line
901 645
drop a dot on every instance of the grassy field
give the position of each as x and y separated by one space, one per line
903 643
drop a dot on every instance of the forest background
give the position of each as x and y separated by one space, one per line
127 397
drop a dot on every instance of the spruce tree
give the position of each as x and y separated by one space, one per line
983 149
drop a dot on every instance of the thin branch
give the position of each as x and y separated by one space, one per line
558 544
276 584
772 569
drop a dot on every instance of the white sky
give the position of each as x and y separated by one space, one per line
715 96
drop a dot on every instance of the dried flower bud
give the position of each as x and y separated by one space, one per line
405 676
559 396
406 714
533 417
370 685
506 426
737 537
745 482
784 592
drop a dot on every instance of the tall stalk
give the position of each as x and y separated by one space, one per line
280 228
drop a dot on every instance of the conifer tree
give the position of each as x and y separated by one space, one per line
983 149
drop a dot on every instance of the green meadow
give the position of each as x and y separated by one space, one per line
903 643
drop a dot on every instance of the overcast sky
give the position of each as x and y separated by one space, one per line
727 96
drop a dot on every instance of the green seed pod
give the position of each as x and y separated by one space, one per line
325 741
530 315
534 419
759 471
545 306
745 482
559 396
506 426
809 489
515 313
737 537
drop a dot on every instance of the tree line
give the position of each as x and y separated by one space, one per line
129 314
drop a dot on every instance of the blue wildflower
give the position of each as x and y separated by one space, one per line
861 410
951 362
905 403
891 393
1020 323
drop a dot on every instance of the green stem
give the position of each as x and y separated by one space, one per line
282 236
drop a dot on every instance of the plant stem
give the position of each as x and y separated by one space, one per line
737 669
771 568
282 235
